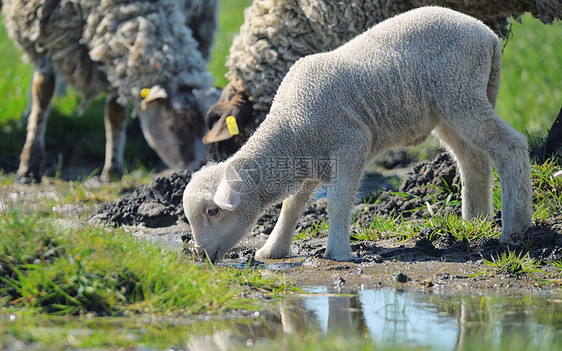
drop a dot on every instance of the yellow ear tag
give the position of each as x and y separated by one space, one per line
144 93
232 125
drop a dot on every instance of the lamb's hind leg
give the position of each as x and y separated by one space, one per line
475 169
278 245
32 157
507 149
115 115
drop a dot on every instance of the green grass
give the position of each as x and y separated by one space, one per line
547 190
317 230
51 269
230 19
512 263
530 93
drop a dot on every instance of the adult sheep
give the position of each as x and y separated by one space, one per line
427 69
119 48
277 33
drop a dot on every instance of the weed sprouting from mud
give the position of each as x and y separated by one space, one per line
511 263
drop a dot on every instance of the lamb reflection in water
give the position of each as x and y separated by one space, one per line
413 319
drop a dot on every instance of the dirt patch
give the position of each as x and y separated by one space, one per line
156 205
420 261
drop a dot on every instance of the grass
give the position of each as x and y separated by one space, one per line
512 263
83 194
317 230
531 83
547 190
51 269
230 20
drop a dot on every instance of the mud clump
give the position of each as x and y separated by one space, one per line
430 186
156 205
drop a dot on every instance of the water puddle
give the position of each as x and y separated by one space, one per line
384 317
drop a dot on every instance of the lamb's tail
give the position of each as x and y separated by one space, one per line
494 80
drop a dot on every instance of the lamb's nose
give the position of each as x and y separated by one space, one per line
204 254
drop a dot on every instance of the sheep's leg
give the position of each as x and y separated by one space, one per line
204 26
476 174
278 245
508 150
115 116
32 157
345 176
341 196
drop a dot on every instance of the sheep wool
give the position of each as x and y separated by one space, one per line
99 46
277 33
121 48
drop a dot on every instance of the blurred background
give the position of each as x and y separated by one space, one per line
529 99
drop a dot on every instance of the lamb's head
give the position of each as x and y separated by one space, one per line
219 210
173 125
221 142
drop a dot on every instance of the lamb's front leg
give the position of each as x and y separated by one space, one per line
340 205
32 157
278 245
115 115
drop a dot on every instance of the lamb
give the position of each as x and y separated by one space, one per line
277 33
427 69
120 48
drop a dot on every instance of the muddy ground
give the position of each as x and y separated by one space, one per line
445 264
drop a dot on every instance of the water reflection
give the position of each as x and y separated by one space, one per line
414 319
385 317
388 317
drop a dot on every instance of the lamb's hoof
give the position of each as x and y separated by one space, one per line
513 239
266 253
341 257
506 240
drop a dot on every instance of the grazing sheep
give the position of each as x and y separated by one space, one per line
428 69
119 48
277 33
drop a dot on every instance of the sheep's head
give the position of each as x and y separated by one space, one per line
220 210
221 143
172 124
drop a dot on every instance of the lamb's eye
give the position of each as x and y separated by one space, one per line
212 211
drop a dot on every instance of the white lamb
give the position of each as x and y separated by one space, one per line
429 69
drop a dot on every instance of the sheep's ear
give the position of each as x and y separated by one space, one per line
219 132
234 104
152 94
226 197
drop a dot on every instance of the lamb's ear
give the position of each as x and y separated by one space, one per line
226 197
219 132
